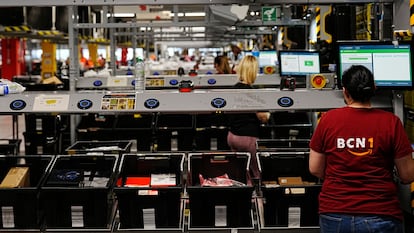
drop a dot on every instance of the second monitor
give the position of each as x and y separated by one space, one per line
298 62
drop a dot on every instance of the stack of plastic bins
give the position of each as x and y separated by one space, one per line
289 192
146 202
100 147
20 206
136 126
220 207
45 134
288 125
77 193
211 132
96 126
267 145
174 132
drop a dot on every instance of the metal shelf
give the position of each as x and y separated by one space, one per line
173 101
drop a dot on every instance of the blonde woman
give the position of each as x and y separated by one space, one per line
244 128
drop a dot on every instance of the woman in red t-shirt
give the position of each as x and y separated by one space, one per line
354 149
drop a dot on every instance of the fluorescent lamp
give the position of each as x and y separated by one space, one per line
189 14
121 15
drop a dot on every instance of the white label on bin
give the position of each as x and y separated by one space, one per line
174 143
39 124
39 150
213 144
77 216
220 215
7 216
294 217
149 218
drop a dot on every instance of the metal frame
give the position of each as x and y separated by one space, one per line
168 2
173 101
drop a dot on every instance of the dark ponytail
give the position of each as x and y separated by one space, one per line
359 82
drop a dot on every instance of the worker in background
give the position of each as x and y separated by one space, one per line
354 149
244 128
101 61
222 66
236 56
185 56
236 51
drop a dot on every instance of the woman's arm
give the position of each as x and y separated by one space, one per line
317 163
405 168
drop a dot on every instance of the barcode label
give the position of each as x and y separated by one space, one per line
77 216
149 218
294 217
220 216
7 216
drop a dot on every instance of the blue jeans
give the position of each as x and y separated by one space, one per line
342 223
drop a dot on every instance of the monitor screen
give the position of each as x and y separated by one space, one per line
267 58
390 63
299 63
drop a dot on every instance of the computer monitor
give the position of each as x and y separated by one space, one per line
267 58
298 62
390 63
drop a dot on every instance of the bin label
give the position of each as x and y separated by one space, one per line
294 217
149 218
77 216
220 216
7 216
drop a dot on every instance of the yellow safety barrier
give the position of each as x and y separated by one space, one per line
403 35
22 28
412 13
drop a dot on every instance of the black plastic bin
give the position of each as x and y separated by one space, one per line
219 207
10 146
77 193
100 147
20 206
288 205
148 206
41 143
282 145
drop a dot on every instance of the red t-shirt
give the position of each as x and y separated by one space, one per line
360 146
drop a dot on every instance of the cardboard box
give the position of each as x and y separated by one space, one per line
16 177
294 180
